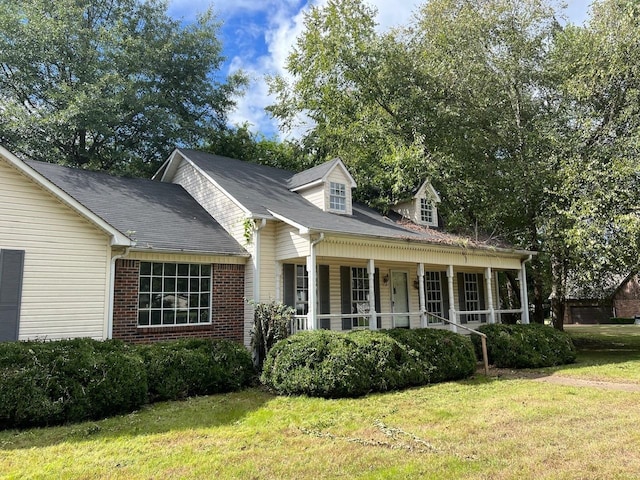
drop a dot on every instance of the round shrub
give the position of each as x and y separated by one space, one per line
449 355
526 346
332 364
182 368
44 383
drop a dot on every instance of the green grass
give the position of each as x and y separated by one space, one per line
482 428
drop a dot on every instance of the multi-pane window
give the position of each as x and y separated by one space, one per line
471 296
426 210
337 196
360 296
302 290
174 294
433 295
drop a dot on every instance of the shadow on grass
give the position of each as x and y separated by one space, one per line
191 414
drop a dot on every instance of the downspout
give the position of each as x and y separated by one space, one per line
112 288
312 317
524 298
256 262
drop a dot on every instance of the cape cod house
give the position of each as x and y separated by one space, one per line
88 254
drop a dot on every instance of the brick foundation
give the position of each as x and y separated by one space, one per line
227 304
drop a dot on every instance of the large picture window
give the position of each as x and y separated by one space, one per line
471 296
433 295
174 294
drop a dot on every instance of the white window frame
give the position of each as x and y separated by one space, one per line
471 296
167 293
360 297
302 290
337 197
426 211
433 295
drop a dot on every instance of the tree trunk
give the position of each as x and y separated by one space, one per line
557 292
538 290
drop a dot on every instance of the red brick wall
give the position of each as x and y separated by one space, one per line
627 299
227 304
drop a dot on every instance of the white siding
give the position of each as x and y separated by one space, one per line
215 202
268 262
316 195
289 243
67 261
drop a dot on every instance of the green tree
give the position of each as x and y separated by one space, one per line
240 142
109 85
596 200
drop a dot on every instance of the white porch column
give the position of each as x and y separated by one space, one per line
279 296
488 277
452 308
499 305
524 294
421 299
373 320
311 295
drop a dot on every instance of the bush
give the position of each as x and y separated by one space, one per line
271 323
44 383
331 364
525 346
618 321
450 355
182 368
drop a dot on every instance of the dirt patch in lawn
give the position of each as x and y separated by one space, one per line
508 374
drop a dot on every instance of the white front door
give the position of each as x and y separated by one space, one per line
400 299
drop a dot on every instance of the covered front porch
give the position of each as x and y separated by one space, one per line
434 287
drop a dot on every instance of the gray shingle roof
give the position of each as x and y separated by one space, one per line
158 216
312 174
262 189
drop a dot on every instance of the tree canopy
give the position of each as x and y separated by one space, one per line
109 85
527 127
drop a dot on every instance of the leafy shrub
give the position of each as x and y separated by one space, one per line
526 346
271 323
331 364
450 355
618 321
183 368
43 383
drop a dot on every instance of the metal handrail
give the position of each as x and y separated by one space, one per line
483 338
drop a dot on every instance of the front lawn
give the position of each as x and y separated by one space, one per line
478 428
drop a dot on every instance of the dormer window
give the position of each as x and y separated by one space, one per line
338 197
426 211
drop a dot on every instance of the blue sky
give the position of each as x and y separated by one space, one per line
257 36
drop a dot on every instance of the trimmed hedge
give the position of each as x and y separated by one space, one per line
332 364
525 346
184 368
55 382
450 355
45 383
618 321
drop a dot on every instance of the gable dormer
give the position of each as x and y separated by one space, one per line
422 208
327 186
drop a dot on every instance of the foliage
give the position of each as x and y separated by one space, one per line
271 323
618 321
184 368
108 85
527 128
239 142
450 355
332 364
525 346
44 383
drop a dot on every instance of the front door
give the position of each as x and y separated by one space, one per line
400 299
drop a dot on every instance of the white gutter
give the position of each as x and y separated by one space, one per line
256 260
112 288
